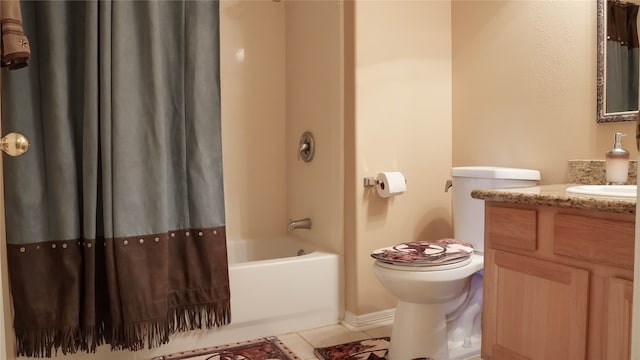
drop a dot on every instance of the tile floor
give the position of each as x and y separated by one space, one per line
302 343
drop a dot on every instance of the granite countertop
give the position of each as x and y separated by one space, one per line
556 195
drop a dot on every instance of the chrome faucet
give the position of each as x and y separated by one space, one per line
299 224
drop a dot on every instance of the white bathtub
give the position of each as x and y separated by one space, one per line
273 292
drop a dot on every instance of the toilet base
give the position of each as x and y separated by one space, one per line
409 342
463 353
418 330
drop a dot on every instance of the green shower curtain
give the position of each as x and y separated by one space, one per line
115 216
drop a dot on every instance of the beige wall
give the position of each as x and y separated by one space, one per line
400 75
521 79
524 87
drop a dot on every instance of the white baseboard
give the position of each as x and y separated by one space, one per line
368 321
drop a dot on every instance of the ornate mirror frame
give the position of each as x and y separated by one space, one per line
602 116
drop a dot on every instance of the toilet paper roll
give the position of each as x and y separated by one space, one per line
391 183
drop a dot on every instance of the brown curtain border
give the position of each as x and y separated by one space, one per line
46 310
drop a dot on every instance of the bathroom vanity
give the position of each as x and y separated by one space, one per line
558 274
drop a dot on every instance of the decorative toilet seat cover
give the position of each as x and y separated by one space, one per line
425 253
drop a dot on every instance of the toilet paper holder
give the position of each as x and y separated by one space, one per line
370 181
387 184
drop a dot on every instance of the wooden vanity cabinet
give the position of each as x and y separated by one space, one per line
557 283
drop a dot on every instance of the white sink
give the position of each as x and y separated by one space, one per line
616 191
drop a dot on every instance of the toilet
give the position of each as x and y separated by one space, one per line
440 301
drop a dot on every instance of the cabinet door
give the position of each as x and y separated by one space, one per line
534 309
618 324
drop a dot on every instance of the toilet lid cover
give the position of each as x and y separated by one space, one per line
425 253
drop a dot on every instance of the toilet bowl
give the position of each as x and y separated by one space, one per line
431 296
425 296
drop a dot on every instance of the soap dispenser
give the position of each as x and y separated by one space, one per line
617 162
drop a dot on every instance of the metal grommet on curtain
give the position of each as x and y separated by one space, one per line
141 241
53 246
22 249
173 234
215 232
157 239
89 245
186 233
126 242
200 233
64 246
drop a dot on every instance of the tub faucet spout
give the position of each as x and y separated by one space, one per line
299 224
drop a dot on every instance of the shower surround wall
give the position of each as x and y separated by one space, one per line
281 70
254 126
281 74
314 94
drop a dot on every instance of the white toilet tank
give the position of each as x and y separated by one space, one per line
468 213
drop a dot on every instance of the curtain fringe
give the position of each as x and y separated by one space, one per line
42 343
45 342
200 316
134 336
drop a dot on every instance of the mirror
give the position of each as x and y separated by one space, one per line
617 61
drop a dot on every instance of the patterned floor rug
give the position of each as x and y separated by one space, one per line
270 348
369 349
